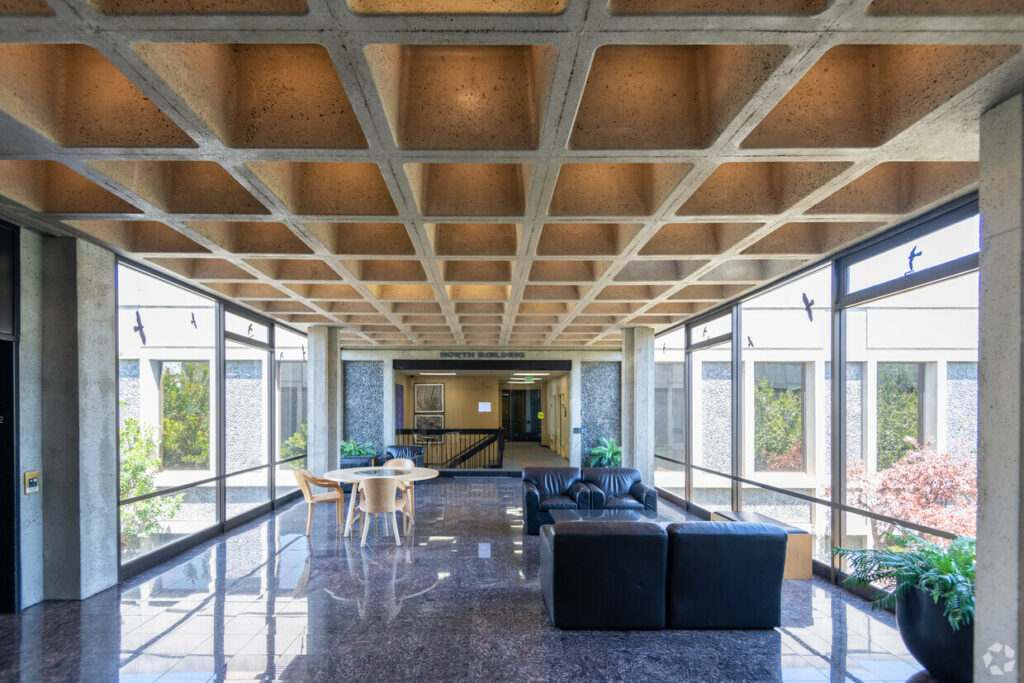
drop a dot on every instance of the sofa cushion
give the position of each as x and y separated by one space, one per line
557 503
414 453
614 481
626 502
552 481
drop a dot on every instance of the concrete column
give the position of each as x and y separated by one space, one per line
638 400
79 397
1000 405
324 399
576 456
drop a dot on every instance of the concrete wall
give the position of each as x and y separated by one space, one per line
78 451
30 422
364 403
601 405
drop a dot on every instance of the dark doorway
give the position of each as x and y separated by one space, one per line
519 409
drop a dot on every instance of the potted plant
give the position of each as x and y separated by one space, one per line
354 449
932 589
605 454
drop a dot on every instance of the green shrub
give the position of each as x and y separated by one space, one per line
293 447
140 464
606 453
351 449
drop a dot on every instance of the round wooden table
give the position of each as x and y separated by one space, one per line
354 475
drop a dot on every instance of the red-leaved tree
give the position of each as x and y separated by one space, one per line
940 491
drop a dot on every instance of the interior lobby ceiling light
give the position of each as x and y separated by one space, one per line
437 374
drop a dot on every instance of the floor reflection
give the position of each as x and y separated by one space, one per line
459 600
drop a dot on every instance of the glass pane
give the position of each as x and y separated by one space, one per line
917 459
669 416
786 392
246 491
914 255
166 349
670 347
245 327
711 419
711 329
814 518
246 426
290 358
245 397
153 523
285 476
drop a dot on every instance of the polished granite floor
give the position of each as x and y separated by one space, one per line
459 600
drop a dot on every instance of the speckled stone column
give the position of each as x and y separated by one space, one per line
1000 406
79 440
324 404
638 400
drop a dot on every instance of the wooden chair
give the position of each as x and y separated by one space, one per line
407 490
333 495
379 496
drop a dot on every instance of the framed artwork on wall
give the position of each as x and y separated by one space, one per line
430 421
428 398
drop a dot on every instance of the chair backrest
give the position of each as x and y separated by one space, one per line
379 494
410 452
552 481
614 481
400 463
303 477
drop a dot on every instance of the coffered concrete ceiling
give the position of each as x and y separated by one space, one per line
491 172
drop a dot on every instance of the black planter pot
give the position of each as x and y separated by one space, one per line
948 655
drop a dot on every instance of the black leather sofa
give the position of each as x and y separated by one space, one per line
414 453
725 575
692 575
604 574
618 488
551 488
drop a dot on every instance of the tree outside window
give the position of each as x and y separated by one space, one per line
185 388
898 411
778 417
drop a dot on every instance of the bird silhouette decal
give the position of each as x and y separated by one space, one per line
139 328
914 253
303 352
808 304
705 333
249 331
194 323
750 342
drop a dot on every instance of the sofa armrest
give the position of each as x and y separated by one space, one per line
531 508
580 493
597 497
645 494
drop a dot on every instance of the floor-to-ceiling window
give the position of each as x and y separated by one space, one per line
670 412
201 400
856 389
785 398
709 356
